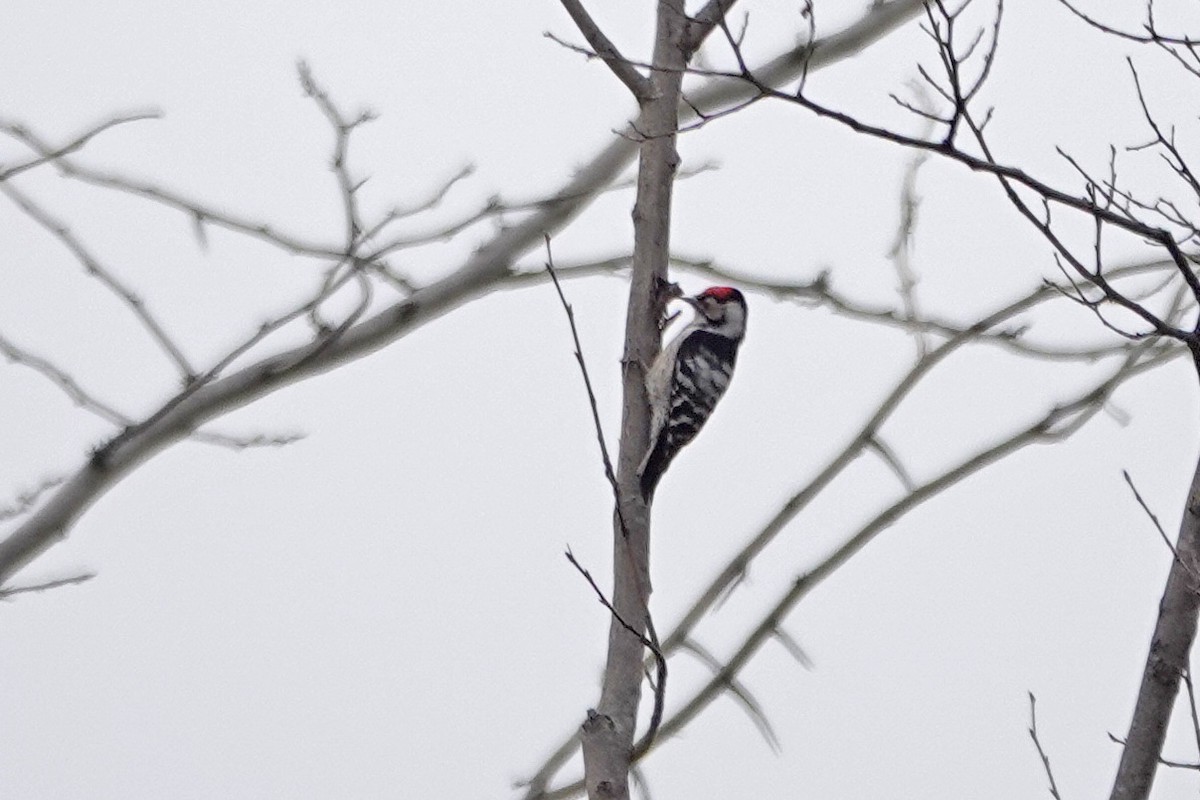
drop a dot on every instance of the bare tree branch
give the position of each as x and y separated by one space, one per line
892 460
1033 734
1191 693
636 82
432 201
246 442
1044 428
89 402
745 699
1059 422
64 381
820 292
1153 517
650 641
587 383
651 644
1167 660
28 498
1152 35
483 271
17 131
197 211
902 245
1166 762
700 26
1056 424
941 30
92 266
342 128
7 593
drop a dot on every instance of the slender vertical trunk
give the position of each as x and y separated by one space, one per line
1174 634
607 736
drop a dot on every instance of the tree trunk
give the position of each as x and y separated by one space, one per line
607 735
1174 634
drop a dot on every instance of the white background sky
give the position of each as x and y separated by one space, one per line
383 610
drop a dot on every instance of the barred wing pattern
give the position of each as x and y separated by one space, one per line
703 367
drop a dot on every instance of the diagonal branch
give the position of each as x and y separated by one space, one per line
736 567
8 592
80 396
729 576
18 131
1008 176
702 24
636 82
1047 427
587 383
198 211
483 271
1153 517
820 292
749 704
1037 743
107 278
1059 422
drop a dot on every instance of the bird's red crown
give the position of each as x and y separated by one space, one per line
722 294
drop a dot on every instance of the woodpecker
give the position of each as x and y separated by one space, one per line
689 376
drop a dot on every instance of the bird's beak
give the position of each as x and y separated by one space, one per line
694 302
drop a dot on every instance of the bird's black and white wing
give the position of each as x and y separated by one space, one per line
703 367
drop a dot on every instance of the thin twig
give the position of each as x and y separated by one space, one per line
27 499
651 644
89 402
1033 734
9 592
78 395
1153 517
246 442
17 130
433 200
609 473
1191 693
902 246
892 460
342 128
1166 762
198 212
745 699
250 342
1152 36
92 266
702 23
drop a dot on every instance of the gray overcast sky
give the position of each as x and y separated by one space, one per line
382 610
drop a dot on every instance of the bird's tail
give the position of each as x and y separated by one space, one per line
653 467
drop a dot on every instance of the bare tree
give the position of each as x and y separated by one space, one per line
357 265
964 60
364 301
